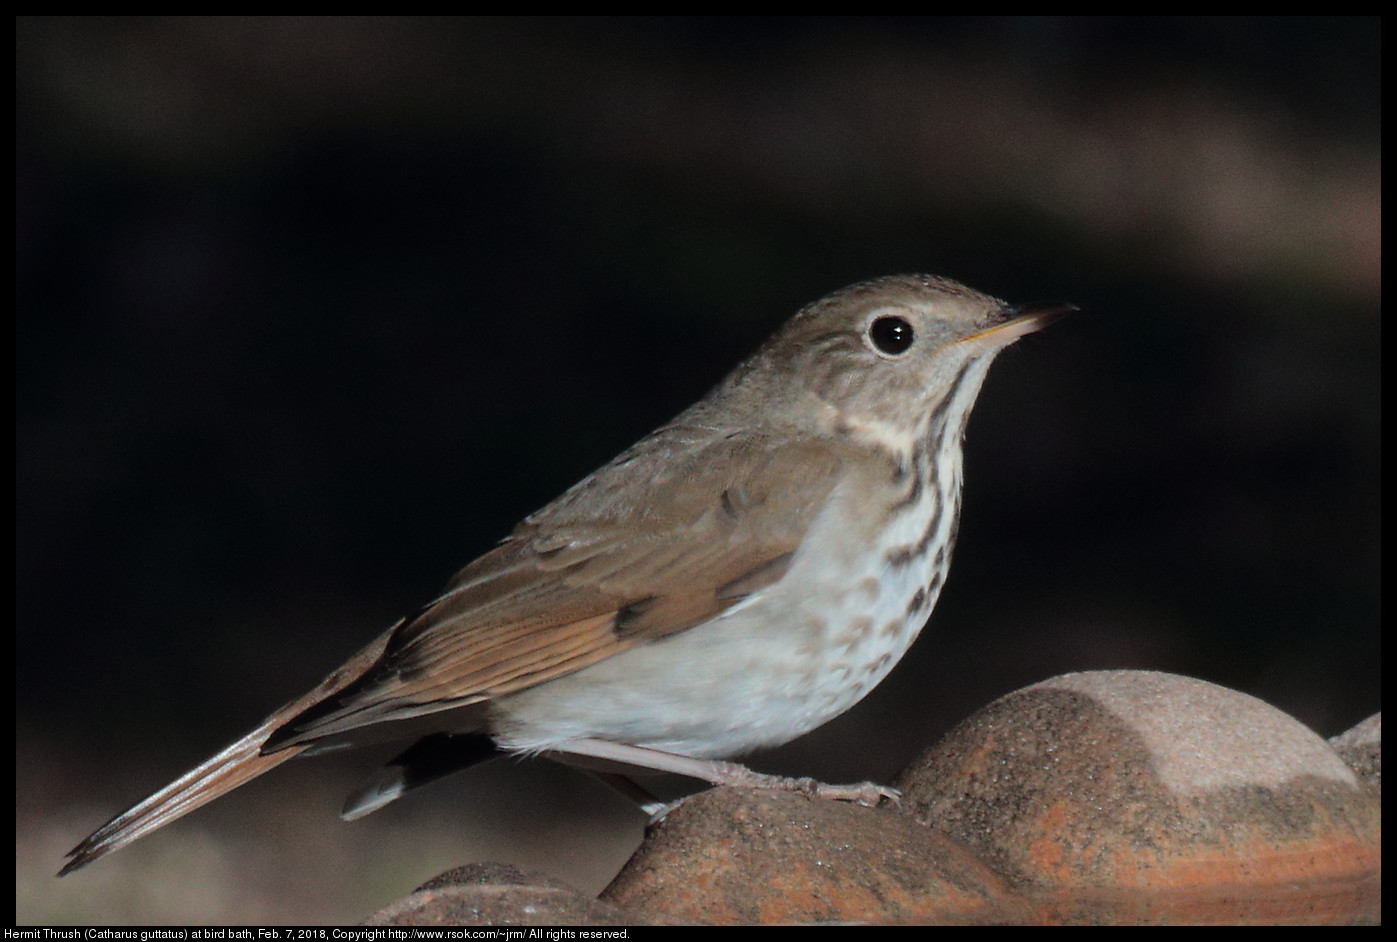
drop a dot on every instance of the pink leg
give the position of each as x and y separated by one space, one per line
723 773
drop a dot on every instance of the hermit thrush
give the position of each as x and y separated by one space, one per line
735 579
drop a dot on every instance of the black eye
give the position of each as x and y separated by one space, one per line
891 335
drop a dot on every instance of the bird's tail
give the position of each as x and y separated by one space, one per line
239 763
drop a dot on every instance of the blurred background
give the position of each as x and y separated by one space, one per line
312 311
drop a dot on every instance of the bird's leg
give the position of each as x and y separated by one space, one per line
716 771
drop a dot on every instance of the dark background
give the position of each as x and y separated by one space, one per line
311 311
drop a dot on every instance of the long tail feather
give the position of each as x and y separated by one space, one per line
239 763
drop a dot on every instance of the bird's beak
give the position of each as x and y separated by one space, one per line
1021 319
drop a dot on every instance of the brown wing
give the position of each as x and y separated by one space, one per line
663 538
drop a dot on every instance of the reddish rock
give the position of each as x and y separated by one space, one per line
733 857
1140 797
1361 748
495 894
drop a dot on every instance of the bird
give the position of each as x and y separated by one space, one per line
738 577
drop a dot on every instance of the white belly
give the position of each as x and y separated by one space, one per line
772 668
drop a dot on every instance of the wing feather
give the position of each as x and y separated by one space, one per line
609 565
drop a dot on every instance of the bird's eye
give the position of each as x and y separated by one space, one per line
891 335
